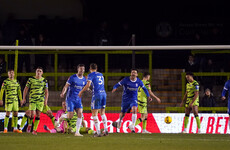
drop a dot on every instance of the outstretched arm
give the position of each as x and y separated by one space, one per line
154 96
86 87
64 90
117 85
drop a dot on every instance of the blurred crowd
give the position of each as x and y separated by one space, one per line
57 31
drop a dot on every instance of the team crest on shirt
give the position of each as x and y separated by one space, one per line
136 85
83 83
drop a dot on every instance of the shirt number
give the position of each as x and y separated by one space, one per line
101 80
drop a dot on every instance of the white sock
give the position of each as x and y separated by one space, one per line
78 124
134 119
185 129
5 128
15 128
96 122
104 120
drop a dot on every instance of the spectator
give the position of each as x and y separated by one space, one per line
191 65
209 81
41 59
208 100
25 40
124 35
103 35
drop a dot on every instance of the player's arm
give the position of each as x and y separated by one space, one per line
20 93
25 91
46 96
64 90
86 87
1 95
225 89
154 96
184 98
146 91
122 82
46 92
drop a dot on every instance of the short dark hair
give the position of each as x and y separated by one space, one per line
93 66
190 73
80 65
39 67
134 69
145 74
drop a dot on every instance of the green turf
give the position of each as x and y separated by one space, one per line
116 141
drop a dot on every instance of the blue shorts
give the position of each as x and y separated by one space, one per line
72 105
98 101
126 105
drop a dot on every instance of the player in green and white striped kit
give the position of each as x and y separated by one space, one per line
12 92
142 101
191 99
38 97
70 125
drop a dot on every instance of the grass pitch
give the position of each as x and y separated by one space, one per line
115 141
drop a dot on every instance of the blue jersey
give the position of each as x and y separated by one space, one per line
130 88
76 84
97 80
226 88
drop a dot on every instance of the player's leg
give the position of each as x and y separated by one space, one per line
142 111
30 120
46 110
36 122
95 107
70 109
6 121
96 121
24 119
32 113
124 108
195 111
134 118
186 119
15 114
15 118
39 108
79 121
145 116
103 116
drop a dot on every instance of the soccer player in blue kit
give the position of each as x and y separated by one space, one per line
129 97
98 102
73 86
225 89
